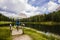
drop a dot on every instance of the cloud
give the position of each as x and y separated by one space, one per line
38 3
52 6
12 15
22 6
58 1
30 10
30 7
14 5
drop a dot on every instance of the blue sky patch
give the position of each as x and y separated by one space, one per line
37 2
56 1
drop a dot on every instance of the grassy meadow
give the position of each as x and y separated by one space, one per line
39 36
5 33
4 22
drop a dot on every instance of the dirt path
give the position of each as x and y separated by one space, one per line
17 35
22 37
15 32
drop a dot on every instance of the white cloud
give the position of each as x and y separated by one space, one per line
5 7
58 1
1 1
52 6
14 1
33 0
23 1
12 15
30 8
19 6
13 5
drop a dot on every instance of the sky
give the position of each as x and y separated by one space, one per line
12 8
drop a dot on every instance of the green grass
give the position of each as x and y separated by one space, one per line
43 23
39 36
5 33
4 22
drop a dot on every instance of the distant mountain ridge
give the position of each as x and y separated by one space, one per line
58 8
22 15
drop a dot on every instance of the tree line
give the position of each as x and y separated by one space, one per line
4 18
54 16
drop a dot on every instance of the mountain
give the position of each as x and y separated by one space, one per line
21 15
58 8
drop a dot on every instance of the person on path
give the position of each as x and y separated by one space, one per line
10 27
17 24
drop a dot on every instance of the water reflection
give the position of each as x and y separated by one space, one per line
46 28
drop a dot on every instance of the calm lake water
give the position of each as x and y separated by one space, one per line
46 28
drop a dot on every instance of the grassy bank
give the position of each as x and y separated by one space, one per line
35 35
4 22
53 27
43 23
39 36
5 33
